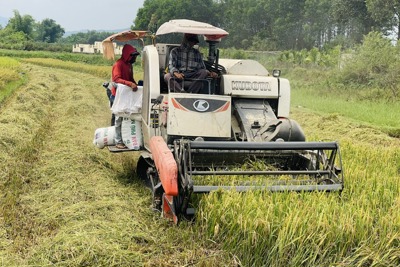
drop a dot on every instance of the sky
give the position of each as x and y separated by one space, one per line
77 15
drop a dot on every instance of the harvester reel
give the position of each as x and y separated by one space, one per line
142 167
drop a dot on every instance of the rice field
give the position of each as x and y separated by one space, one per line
67 203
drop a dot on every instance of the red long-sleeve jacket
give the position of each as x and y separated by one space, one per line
122 71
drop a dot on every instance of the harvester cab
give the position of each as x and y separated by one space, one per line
236 134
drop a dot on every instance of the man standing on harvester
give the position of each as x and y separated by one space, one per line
122 73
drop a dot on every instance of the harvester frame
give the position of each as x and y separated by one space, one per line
242 117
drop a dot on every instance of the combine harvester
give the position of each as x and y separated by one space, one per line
237 135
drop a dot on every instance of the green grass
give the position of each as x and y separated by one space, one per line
314 90
381 114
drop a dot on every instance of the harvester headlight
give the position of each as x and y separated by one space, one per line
276 73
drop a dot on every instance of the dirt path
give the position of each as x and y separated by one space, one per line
67 203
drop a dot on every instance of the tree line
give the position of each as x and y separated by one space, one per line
280 24
22 32
252 24
23 28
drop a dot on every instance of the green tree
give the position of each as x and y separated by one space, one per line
318 27
12 40
49 31
279 24
352 18
247 21
24 24
374 64
156 12
288 23
386 13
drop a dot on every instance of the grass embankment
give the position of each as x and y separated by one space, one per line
67 203
92 59
362 89
363 105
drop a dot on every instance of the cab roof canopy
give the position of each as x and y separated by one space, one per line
173 26
190 26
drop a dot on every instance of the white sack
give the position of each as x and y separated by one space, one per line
127 101
131 131
104 137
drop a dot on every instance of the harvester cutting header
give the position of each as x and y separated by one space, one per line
235 133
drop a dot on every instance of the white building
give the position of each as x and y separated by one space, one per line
95 48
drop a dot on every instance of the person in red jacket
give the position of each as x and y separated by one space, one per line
122 72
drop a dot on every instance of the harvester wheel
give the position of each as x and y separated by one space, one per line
148 173
141 170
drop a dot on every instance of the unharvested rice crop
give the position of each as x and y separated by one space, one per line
360 227
9 69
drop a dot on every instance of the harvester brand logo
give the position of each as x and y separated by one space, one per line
255 86
201 105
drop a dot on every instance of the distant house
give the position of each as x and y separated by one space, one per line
95 48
